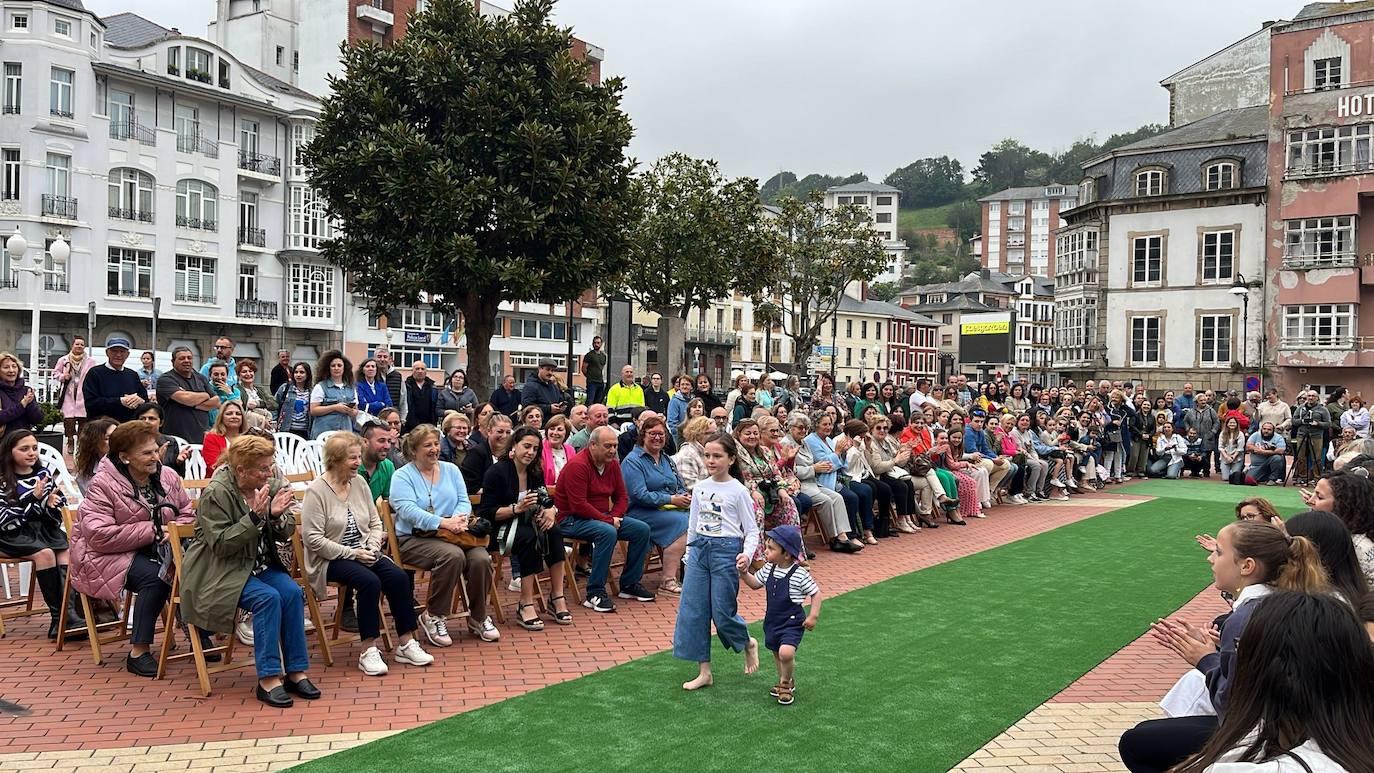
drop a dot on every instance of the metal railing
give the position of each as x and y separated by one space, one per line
252 308
59 206
135 292
196 223
130 129
55 283
1326 342
256 237
10 282
1327 169
197 143
61 113
10 110
121 213
712 335
1329 260
201 297
259 163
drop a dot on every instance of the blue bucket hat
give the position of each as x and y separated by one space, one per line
790 539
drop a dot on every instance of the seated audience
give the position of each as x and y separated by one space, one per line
556 452
1351 498
257 400
658 497
1337 554
174 454
118 543
457 431
486 451
818 468
343 538
229 424
31 511
691 465
93 444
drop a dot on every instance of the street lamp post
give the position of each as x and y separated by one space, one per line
696 359
863 364
1241 289
17 246
877 357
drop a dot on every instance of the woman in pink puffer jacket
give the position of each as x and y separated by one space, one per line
117 545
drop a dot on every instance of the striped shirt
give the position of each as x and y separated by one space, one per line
799 588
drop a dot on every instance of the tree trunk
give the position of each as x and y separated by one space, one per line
672 344
479 323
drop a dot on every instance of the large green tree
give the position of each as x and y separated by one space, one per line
821 251
699 237
1010 164
472 162
928 182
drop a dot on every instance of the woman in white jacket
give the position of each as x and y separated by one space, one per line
1356 417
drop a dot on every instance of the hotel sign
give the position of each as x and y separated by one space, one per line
1355 105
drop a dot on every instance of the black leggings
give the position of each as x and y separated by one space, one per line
903 495
153 593
527 556
1155 745
370 582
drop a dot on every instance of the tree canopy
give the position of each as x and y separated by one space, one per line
928 182
472 162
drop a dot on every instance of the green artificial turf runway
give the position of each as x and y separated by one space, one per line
1285 498
913 674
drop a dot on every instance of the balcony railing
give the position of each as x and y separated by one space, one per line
1337 342
61 112
56 283
201 297
1327 169
252 308
1300 262
10 110
197 143
59 206
130 129
196 223
318 311
259 163
711 335
132 292
10 282
120 213
256 237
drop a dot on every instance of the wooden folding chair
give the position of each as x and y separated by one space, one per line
394 549
811 526
176 532
332 635
114 631
19 606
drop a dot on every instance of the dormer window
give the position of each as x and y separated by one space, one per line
174 60
198 64
1220 176
1149 182
1326 73
1087 191
1054 191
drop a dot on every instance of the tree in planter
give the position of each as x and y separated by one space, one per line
699 237
822 252
471 163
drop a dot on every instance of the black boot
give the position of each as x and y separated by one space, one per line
50 585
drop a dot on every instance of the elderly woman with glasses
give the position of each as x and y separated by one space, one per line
658 497
912 495
816 467
773 505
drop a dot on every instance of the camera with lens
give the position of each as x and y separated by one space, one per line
544 498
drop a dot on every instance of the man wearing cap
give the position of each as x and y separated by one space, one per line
112 390
541 390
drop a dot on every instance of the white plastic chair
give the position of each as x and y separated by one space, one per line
310 457
288 448
52 458
196 469
324 436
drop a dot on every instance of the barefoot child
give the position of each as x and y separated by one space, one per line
788 584
721 535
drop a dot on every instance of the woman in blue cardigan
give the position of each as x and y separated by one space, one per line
658 497
372 392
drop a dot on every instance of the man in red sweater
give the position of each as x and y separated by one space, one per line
592 501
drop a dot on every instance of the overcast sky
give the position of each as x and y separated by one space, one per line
870 85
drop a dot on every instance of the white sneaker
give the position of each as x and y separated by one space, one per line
514 586
1017 499
436 630
371 663
410 653
309 625
485 630
1057 483
244 630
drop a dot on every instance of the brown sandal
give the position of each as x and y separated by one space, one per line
784 695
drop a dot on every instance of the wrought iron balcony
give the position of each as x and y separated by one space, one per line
256 237
196 223
133 292
130 129
10 109
61 112
55 283
120 213
197 143
59 206
1300 261
252 308
206 296
259 163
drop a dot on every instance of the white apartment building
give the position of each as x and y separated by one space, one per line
1019 226
883 202
169 167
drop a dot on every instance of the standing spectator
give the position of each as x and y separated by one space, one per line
147 373
71 370
626 393
293 402
1336 405
333 399
111 389
597 416
744 404
422 399
594 368
1276 411
733 396
117 541
706 391
1203 418
1182 403
655 398
1251 407
592 502
281 372
1356 417
388 372
457 396
186 399
224 352
18 405
373 395
1140 437
219 384
1266 449
542 389
1310 424
256 399
505 399
1233 409
428 495
677 406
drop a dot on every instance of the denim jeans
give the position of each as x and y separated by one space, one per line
1162 468
851 506
370 583
603 537
864 492
1229 467
278 607
1267 468
710 590
803 505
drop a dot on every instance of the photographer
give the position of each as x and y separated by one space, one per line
514 498
118 542
1311 420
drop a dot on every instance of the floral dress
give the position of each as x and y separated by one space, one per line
762 465
964 483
